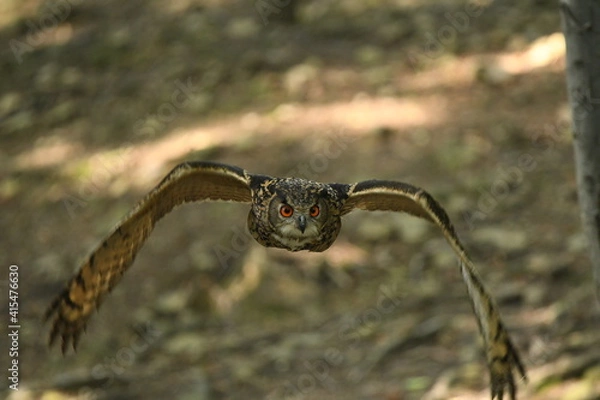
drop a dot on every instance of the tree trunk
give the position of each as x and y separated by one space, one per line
581 26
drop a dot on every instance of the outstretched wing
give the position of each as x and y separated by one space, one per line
190 181
502 357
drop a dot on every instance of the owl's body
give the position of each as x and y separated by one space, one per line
289 213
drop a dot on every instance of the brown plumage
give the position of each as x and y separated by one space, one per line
290 213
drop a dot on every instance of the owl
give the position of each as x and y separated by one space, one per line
289 213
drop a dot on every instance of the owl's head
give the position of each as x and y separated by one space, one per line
299 215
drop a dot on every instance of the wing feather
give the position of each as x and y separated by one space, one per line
188 182
502 356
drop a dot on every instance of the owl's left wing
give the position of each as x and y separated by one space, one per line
502 356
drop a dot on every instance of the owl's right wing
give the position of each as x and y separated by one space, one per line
188 182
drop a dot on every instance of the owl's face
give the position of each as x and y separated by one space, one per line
297 224
299 215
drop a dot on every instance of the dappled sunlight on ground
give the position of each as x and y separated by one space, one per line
117 94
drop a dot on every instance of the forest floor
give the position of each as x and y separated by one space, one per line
99 100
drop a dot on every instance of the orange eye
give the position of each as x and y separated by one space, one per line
286 211
315 211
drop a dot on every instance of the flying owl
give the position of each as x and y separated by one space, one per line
289 213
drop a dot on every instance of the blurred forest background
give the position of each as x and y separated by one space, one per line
99 100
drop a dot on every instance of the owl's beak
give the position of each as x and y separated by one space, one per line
301 223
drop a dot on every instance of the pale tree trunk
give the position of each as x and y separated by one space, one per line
581 26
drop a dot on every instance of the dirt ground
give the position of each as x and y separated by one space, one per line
99 100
